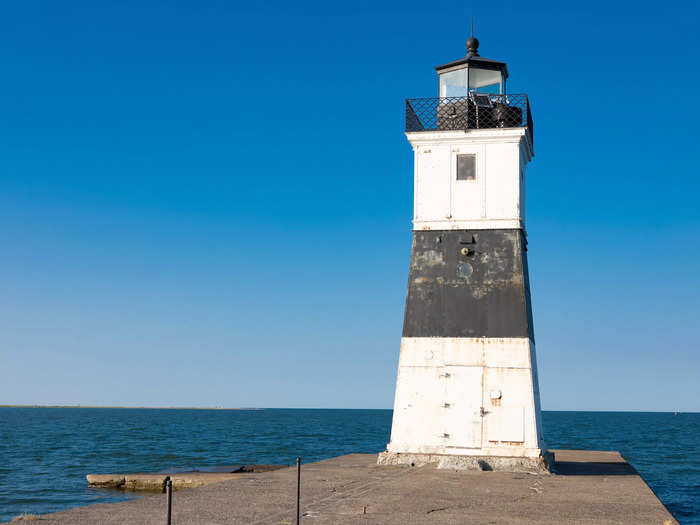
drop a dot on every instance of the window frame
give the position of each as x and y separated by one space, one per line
474 158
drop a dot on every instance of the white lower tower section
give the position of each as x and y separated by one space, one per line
467 397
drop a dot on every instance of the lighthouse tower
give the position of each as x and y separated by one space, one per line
466 393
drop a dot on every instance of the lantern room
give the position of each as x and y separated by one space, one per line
472 74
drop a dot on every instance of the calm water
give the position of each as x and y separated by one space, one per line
46 452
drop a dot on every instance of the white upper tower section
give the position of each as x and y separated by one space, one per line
471 148
468 180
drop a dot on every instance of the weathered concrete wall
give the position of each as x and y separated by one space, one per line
156 482
181 480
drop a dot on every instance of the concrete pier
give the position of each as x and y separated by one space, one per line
586 487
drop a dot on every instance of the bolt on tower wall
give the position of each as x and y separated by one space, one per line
467 393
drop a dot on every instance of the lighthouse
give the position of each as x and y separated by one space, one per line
467 394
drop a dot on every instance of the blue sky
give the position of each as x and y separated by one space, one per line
209 203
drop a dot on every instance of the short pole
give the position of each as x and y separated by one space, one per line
169 489
298 487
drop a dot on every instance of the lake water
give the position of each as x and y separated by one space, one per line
45 453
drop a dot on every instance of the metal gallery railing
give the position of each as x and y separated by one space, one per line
476 111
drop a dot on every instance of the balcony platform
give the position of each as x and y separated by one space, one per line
588 487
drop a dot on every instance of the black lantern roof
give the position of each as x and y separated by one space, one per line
474 60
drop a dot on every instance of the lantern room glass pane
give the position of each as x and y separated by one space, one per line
454 83
484 80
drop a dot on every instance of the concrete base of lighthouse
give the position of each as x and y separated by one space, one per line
538 465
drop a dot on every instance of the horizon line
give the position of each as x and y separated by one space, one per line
306 408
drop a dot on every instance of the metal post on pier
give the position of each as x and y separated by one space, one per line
169 490
298 487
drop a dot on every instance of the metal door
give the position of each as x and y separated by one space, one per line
463 402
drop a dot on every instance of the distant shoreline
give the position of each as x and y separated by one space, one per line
138 407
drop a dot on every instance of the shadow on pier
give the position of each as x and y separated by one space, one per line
568 463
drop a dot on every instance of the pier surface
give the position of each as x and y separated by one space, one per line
588 488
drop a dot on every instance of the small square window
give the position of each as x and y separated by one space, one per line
466 167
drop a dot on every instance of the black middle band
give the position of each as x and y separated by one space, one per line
468 284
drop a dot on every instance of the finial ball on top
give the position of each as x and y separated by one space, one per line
473 46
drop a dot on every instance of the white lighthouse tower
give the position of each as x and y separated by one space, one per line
466 393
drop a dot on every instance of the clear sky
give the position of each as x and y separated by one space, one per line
209 203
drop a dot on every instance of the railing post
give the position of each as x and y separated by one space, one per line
169 490
530 124
298 487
